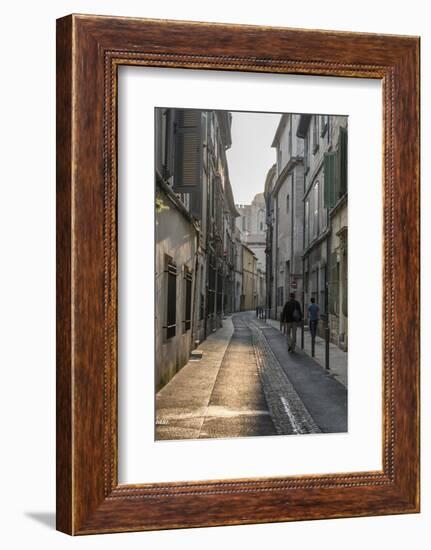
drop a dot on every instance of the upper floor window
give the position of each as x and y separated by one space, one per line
315 133
324 119
316 209
290 136
307 152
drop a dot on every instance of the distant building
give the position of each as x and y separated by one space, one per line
249 279
252 224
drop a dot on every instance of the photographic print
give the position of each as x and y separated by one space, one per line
251 272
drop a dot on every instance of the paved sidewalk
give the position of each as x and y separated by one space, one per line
219 395
337 357
181 404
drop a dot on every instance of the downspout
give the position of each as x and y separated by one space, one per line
276 255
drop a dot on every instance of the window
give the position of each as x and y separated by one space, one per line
315 134
307 222
330 179
307 152
188 299
202 307
171 303
280 290
315 210
188 151
315 284
322 289
323 124
345 287
287 204
290 136
322 209
336 171
342 162
211 286
219 291
333 288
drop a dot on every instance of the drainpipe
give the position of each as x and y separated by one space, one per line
327 331
276 256
303 261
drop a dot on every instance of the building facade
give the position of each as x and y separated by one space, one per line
238 261
306 204
325 219
249 297
195 233
284 197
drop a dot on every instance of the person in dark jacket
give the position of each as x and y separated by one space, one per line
292 316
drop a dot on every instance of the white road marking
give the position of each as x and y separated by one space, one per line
289 413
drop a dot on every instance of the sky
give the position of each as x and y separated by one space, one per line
251 154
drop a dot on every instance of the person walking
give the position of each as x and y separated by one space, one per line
292 316
313 320
313 317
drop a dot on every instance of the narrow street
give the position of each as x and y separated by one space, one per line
247 384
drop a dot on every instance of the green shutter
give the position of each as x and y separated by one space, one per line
345 287
342 155
330 160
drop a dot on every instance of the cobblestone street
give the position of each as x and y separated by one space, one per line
247 384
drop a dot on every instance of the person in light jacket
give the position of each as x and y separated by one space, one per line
313 317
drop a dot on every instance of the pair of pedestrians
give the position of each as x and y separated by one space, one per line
292 317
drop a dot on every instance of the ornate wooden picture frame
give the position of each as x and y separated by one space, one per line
89 51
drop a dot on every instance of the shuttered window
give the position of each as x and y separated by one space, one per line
307 151
330 165
333 287
171 303
188 151
188 299
335 166
345 287
315 133
211 286
322 289
202 307
307 222
280 297
342 162
219 291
